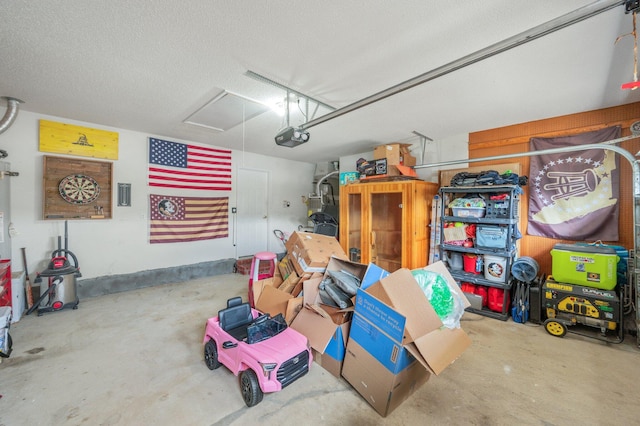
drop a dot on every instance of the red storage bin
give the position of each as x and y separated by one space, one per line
497 299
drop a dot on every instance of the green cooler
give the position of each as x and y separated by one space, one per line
589 266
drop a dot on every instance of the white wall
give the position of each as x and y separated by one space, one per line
121 245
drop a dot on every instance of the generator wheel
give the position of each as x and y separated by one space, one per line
555 328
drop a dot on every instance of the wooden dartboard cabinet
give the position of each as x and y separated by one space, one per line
77 189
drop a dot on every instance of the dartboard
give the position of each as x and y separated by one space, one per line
79 189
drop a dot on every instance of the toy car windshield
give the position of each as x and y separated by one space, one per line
265 327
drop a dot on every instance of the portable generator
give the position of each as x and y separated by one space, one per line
567 305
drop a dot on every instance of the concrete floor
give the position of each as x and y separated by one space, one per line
135 358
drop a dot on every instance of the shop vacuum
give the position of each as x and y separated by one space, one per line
60 276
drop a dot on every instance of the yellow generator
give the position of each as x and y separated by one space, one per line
566 305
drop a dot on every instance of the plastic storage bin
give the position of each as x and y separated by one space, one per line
589 266
488 236
498 299
468 211
495 268
472 263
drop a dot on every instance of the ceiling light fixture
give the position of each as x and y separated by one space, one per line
291 136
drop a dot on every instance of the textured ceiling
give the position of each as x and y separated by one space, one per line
147 66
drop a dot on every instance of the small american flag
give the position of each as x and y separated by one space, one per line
181 219
187 166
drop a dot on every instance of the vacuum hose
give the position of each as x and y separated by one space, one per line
52 288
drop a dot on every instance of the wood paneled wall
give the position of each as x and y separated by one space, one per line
515 139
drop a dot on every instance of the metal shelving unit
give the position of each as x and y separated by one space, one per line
507 218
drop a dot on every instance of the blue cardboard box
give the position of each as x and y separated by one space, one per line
398 307
397 340
382 389
388 351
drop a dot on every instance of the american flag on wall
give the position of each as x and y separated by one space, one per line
188 166
181 219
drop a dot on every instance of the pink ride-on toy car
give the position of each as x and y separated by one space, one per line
263 351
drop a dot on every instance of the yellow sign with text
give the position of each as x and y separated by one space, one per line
77 140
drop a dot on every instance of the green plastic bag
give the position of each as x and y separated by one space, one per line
443 301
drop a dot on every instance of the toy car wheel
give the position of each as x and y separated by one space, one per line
250 388
211 355
555 328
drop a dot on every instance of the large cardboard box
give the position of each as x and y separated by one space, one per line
382 389
311 252
325 336
394 329
326 327
273 301
395 153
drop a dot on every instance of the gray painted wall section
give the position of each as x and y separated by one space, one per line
100 286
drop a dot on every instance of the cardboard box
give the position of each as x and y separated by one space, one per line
395 328
397 306
269 299
327 328
382 389
336 264
285 266
326 337
395 153
290 283
311 252
349 177
329 363
391 171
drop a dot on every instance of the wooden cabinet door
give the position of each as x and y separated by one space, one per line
387 223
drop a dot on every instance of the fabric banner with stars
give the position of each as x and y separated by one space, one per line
574 195
188 166
181 219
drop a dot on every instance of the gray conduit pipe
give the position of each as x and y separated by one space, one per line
11 114
603 146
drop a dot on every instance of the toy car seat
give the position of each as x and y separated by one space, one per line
235 318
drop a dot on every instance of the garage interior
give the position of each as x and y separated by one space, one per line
459 90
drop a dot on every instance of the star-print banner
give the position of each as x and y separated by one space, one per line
574 195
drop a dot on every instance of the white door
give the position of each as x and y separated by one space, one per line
252 220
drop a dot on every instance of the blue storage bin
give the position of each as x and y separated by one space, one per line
488 236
